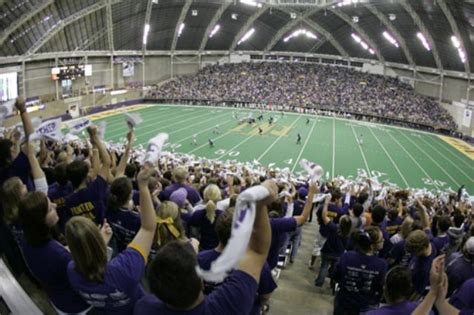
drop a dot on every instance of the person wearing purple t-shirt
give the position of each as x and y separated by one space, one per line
460 266
124 221
88 200
397 291
281 226
423 252
223 229
360 274
112 286
177 289
179 175
336 241
62 188
46 258
205 219
441 241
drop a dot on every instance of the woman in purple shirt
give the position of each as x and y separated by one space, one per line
47 258
205 219
112 286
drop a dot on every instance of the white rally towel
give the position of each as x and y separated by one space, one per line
36 122
133 119
314 170
242 226
50 129
155 146
76 126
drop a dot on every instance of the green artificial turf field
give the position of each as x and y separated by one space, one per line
405 157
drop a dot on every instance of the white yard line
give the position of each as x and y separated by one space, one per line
274 142
203 145
235 147
439 166
202 131
453 164
304 146
410 156
361 151
389 157
333 146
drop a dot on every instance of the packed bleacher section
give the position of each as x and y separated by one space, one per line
121 210
301 85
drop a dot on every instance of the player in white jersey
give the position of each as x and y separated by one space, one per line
194 141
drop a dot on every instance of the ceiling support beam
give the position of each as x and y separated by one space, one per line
212 24
247 26
22 19
361 33
91 40
65 22
305 18
182 16
454 27
149 6
416 18
403 45
110 25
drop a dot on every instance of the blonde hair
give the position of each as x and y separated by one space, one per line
212 194
406 227
180 174
169 225
11 196
88 248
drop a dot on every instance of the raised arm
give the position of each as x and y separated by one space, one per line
25 117
38 174
308 206
104 155
260 241
324 214
144 238
125 156
423 214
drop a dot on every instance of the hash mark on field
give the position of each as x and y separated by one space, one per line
361 151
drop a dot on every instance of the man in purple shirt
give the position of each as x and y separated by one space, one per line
177 288
179 175
88 200
223 229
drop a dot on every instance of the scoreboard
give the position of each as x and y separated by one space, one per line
71 72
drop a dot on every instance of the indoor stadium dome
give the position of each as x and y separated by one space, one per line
236 157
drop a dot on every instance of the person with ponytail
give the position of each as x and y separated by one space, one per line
47 258
360 274
204 219
125 222
169 226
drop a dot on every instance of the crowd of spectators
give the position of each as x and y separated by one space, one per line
307 85
86 221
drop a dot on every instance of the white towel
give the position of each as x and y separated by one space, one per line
242 226
314 170
133 119
155 146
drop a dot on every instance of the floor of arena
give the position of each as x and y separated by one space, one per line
405 157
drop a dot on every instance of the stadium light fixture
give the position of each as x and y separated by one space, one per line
457 45
246 36
390 39
356 38
145 33
423 40
298 33
371 51
181 27
364 45
251 3
214 30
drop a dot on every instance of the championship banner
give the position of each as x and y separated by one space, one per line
467 117
128 69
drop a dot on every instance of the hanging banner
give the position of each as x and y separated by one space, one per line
128 69
467 117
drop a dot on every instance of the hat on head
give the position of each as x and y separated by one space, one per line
179 197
